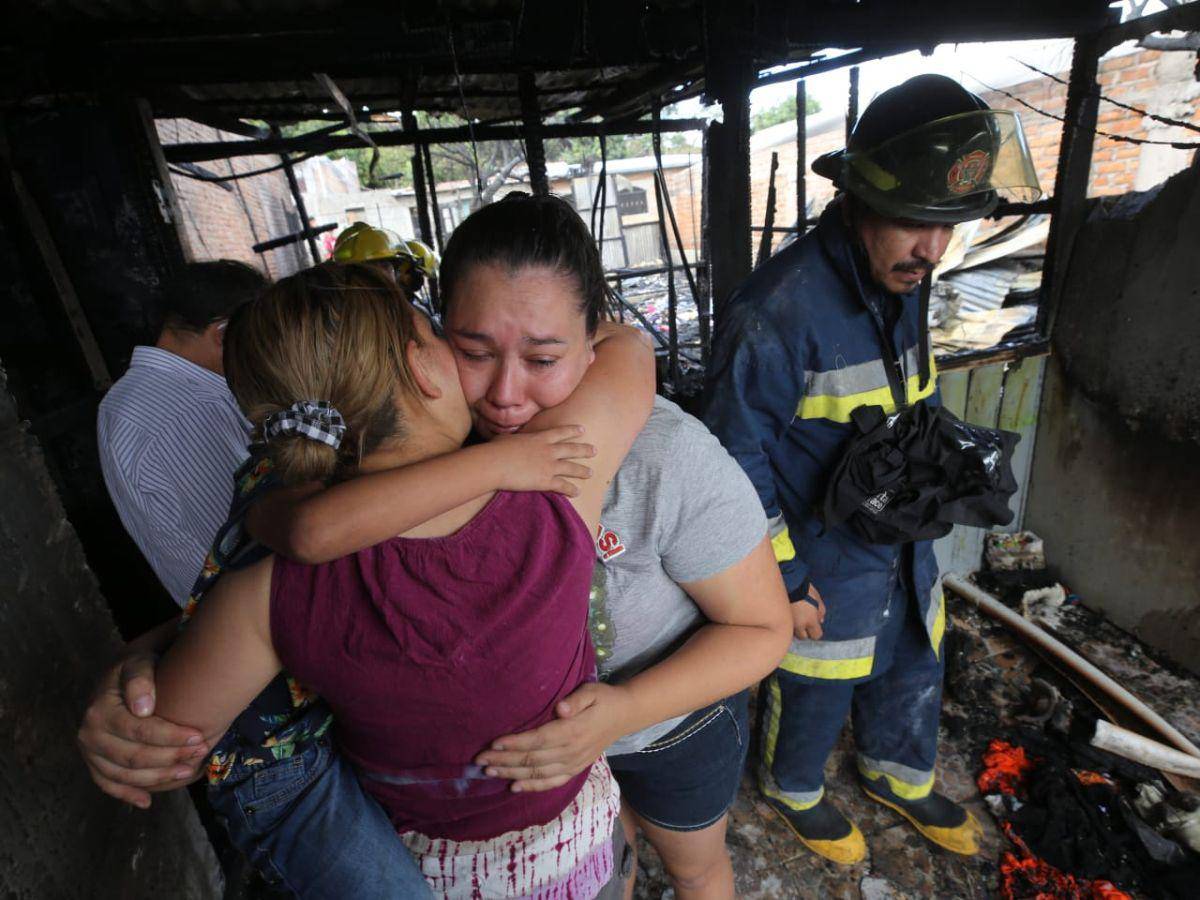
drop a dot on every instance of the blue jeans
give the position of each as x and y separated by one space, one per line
307 825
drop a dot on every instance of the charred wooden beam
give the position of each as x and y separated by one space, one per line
433 200
323 143
535 151
801 151
289 171
1178 18
852 104
418 177
660 190
729 78
1069 203
829 63
303 234
925 23
768 229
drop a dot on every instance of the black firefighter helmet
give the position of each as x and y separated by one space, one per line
931 151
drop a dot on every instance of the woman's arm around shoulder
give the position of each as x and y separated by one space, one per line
313 524
224 657
612 403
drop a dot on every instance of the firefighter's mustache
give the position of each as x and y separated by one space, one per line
913 267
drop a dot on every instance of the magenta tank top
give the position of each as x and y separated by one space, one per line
429 649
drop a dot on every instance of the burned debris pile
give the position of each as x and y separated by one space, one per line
1083 822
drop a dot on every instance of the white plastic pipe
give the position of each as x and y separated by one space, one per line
1134 746
1059 651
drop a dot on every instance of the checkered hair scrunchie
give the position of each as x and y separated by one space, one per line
313 419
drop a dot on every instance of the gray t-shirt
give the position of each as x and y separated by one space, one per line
679 509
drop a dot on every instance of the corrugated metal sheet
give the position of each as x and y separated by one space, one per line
984 288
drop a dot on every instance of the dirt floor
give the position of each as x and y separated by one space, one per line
988 673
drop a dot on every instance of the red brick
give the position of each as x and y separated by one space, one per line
1137 73
1118 62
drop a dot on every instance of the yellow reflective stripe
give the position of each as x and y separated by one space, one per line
838 408
782 545
874 173
829 669
774 793
938 628
766 781
901 789
774 702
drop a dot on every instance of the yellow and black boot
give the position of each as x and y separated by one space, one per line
824 830
940 820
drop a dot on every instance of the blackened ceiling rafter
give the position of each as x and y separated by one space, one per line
241 66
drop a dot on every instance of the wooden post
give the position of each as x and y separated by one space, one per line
801 156
535 152
433 200
726 212
764 246
288 170
409 122
1071 179
660 189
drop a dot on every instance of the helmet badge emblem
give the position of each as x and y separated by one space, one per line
968 170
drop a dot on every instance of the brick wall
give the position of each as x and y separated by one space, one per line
684 187
225 224
1158 82
818 191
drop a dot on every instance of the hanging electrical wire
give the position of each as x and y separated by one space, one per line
1123 138
1165 120
462 99
617 303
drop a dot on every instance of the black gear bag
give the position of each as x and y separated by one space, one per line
916 473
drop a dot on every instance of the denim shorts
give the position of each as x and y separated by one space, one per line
688 778
309 828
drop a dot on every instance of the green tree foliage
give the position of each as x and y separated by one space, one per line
784 111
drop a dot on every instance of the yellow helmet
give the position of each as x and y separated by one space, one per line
363 243
412 261
423 257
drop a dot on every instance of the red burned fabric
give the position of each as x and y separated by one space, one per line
1004 768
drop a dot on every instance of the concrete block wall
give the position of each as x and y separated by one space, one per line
59 836
1115 486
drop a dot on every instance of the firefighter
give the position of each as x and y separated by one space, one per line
411 262
827 325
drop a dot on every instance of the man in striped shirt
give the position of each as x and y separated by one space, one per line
170 433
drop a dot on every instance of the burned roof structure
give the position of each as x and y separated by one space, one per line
255 58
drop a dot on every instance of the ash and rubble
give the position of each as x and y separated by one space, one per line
996 688
985 295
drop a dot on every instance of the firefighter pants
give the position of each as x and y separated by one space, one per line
894 709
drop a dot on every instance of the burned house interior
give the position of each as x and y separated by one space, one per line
1070 724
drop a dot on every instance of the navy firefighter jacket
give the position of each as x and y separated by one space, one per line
799 347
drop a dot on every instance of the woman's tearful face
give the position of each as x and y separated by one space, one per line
520 341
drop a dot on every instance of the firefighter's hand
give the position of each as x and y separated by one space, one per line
129 750
808 616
